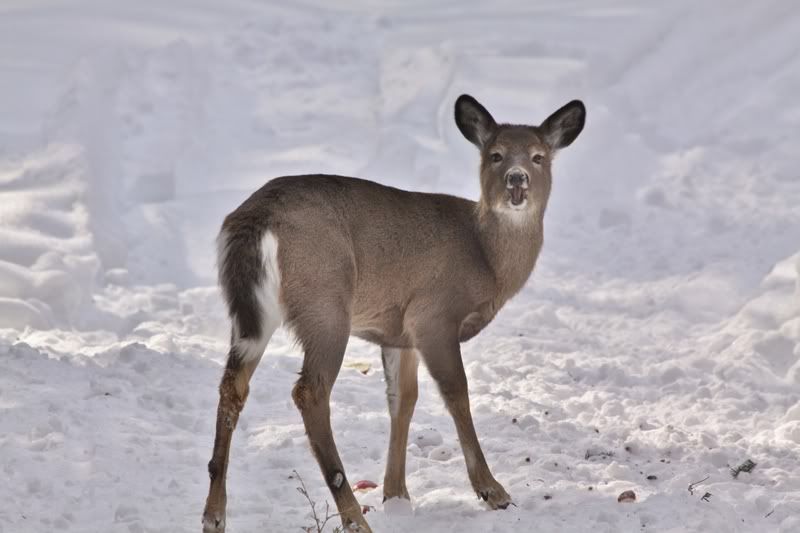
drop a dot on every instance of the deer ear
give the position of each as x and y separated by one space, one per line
564 126
475 123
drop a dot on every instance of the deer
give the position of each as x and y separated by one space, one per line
330 257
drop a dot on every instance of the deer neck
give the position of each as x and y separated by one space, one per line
511 241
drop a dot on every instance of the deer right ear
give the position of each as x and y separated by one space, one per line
564 126
474 122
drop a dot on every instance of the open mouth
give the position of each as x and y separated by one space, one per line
518 195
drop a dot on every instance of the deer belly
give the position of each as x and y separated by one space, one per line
379 326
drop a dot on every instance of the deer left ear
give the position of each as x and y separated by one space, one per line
475 123
564 126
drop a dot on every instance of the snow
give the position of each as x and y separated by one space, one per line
659 335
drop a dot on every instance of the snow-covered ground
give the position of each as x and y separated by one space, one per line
657 343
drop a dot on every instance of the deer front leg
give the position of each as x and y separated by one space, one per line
442 355
400 369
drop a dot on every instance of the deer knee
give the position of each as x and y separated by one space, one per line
308 392
233 391
456 399
234 388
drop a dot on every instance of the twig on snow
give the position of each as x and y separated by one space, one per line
694 485
319 522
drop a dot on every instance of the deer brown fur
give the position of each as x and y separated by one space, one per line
416 273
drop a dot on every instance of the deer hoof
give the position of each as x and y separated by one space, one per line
214 524
496 497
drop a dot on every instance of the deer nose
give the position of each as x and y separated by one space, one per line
516 178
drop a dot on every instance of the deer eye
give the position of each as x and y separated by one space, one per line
538 158
497 157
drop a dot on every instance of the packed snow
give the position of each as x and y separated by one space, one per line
656 346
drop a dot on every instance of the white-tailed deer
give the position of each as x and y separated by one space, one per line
415 273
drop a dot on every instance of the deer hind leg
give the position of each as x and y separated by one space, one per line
400 369
233 392
250 279
324 343
442 356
